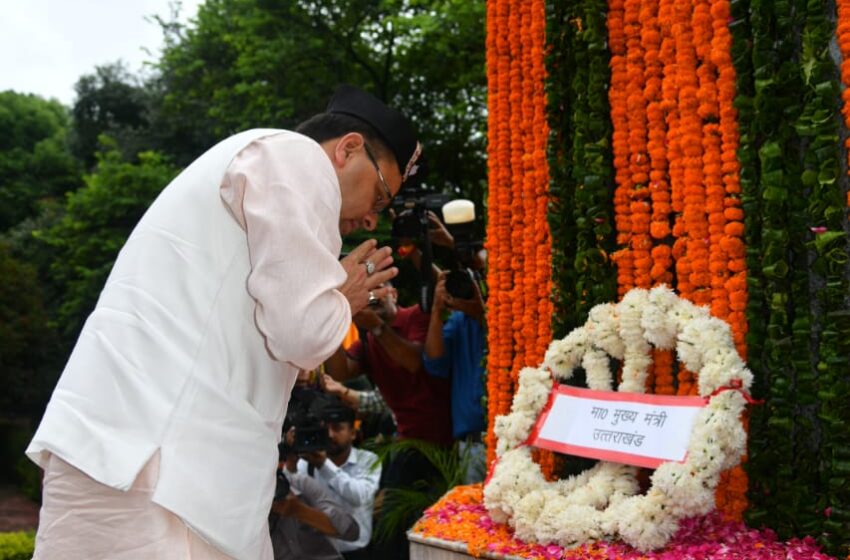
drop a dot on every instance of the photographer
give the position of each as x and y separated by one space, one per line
455 350
350 474
306 516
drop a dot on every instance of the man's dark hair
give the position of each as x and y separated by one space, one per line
326 126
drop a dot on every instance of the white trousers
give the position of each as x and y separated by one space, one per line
82 519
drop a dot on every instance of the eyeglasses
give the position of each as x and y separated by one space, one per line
380 202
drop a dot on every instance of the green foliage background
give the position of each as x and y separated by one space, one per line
794 184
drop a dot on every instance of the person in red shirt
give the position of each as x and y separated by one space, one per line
391 355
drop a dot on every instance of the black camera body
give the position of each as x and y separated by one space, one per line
459 284
304 414
281 489
411 214
411 222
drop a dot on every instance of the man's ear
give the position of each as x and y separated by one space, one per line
346 146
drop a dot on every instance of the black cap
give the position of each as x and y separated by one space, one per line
394 128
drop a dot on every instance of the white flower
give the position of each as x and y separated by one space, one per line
660 332
563 356
597 368
606 333
644 521
689 492
574 525
534 387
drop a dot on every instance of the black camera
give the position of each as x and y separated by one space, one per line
281 489
411 222
304 414
459 217
411 214
459 284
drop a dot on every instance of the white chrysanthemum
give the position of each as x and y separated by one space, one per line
607 333
630 311
567 485
660 331
597 369
688 350
515 476
534 387
569 525
688 492
645 523
635 370
529 508
636 356
711 377
512 430
563 356
624 479
705 453
683 312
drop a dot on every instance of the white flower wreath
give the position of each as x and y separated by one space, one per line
603 502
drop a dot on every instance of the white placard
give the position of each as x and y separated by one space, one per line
632 428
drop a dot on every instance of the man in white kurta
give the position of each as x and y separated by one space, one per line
160 440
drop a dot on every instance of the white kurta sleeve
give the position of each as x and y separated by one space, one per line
284 193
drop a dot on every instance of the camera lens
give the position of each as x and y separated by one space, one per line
459 284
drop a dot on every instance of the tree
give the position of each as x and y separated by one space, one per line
97 220
250 63
35 162
110 101
27 344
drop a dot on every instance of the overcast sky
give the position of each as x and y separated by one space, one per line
46 45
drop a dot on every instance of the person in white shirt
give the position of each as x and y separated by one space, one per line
306 516
352 475
160 439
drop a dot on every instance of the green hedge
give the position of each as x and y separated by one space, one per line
17 546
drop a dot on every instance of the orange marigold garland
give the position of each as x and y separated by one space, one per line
518 258
732 490
518 239
675 157
639 207
842 32
539 279
660 377
499 312
617 99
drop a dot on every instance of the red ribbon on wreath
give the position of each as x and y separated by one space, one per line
735 385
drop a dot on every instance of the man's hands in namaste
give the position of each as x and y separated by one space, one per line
368 268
